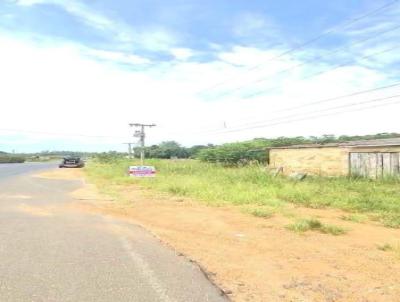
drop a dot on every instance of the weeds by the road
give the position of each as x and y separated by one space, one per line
387 247
260 212
359 218
305 225
252 185
312 224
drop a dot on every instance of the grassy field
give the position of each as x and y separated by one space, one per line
254 188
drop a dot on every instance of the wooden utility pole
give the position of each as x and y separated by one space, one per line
141 135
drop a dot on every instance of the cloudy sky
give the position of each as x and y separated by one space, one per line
74 73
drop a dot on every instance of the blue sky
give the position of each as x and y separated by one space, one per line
189 24
197 68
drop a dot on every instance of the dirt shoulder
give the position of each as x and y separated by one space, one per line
258 259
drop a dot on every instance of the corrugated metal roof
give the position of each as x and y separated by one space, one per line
361 143
374 142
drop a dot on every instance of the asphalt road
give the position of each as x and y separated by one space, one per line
50 251
7 170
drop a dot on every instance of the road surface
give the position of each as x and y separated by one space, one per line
7 170
50 251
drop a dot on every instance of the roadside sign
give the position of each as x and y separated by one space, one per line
142 171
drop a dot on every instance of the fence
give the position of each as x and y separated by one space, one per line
375 164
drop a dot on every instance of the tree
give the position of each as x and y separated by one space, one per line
194 150
166 150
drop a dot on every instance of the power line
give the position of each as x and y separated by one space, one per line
332 108
287 118
324 71
327 70
337 98
324 115
260 80
316 102
312 40
327 100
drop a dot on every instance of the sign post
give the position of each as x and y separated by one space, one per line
142 171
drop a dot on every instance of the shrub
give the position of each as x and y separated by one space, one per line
355 218
304 225
108 157
234 154
260 212
11 159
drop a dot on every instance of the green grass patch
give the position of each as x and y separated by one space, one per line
391 220
312 224
333 229
304 225
252 185
359 218
261 212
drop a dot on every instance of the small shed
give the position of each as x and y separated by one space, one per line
369 158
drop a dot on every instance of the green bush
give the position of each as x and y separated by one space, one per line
9 159
108 157
235 153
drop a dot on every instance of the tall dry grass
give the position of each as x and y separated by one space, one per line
252 185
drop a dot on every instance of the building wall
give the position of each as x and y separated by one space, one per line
328 161
375 162
317 161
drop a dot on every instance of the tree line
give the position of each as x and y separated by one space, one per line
254 150
6 158
247 151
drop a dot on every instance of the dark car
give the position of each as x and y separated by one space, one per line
72 162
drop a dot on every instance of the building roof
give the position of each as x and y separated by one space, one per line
384 142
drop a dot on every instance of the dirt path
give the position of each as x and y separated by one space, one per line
258 259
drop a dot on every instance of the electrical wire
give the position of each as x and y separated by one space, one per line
313 103
314 60
311 41
287 118
336 98
347 63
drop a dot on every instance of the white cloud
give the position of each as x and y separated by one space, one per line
29 2
247 56
78 9
116 56
182 54
125 36
155 39
63 90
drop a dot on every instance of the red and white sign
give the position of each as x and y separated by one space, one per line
142 171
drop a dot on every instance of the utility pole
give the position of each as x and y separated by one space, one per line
141 135
130 148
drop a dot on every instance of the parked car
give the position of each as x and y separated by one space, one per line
72 162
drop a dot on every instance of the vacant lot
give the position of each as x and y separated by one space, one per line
262 238
259 193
